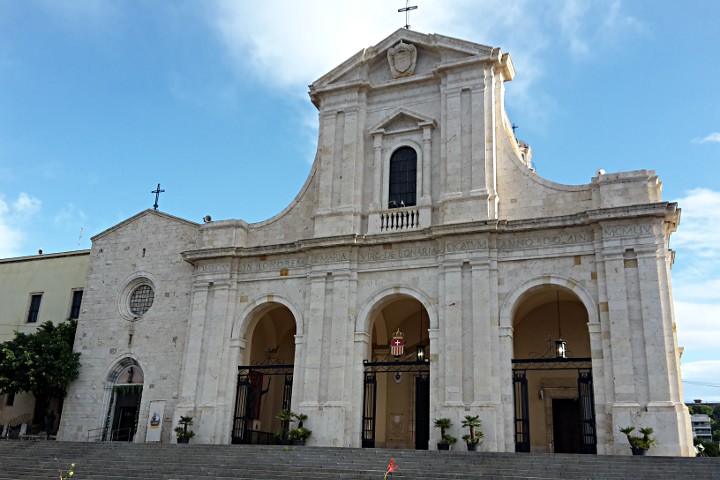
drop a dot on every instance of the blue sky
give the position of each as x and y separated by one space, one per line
102 100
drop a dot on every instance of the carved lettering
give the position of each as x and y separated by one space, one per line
543 241
627 231
214 268
271 265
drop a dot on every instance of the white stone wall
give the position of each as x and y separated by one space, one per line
148 246
490 232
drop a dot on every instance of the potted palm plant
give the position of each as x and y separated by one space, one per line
299 435
445 440
639 444
474 438
181 431
283 432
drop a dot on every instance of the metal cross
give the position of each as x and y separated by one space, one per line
406 10
157 196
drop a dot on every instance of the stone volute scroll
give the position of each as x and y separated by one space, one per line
402 58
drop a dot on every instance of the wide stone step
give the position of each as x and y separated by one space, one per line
23 459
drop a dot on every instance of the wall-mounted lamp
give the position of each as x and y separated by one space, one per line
421 353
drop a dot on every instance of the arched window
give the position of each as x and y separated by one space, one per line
403 178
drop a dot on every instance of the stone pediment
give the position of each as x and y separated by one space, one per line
145 214
405 56
402 120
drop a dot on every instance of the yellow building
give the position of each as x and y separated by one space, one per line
34 290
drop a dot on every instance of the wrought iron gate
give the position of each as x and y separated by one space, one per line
522 419
248 400
368 421
422 398
587 411
586 398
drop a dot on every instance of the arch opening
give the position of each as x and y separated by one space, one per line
396 406
264 384
126 382
552 373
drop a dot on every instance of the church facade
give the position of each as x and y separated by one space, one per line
424 271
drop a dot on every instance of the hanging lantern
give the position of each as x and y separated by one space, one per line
397 346
560 348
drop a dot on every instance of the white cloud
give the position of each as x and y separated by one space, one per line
26 205
699 224
702 376
14 216
701 381
698 326
711 138
696 273
288 44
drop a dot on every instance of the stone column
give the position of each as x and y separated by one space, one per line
451 335
314 334
378 174
505 424
482 344
193 343
426 167
621 355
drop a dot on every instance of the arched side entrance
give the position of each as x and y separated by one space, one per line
264 381
396 378
554 408
126 381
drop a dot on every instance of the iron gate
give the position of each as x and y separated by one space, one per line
522 419
422 398
248 400
586 398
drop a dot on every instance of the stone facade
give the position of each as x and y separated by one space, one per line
422 215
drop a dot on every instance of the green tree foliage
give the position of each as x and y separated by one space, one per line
42 363
701 409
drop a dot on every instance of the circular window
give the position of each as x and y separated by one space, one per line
141 299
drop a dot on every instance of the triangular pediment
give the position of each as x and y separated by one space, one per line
152 215
373 66
402 120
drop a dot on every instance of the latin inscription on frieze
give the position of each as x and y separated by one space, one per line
627 231
378 254
214 268
512 243
271 265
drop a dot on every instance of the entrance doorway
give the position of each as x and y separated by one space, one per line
264 382
552 373
124 409
396 385
567 436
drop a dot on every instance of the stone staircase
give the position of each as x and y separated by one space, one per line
115 460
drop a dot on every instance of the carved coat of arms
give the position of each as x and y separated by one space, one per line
402 58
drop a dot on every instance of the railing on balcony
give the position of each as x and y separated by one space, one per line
400 219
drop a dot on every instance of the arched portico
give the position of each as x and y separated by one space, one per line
550 347
393 348
264 339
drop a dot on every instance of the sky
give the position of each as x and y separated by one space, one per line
101 100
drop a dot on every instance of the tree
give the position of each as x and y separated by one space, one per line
42 363
701 409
